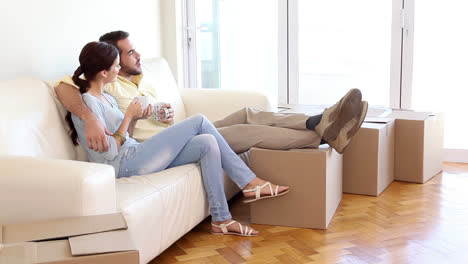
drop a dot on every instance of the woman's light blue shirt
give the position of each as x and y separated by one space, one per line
111 117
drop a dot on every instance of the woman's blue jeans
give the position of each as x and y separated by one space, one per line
192 140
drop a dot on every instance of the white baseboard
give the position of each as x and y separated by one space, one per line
456 155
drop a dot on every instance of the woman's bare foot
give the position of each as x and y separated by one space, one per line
233 229
265 191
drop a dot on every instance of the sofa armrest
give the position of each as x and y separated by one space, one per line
35 189
216 104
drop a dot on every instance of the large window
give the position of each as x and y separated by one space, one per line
297 51
400 54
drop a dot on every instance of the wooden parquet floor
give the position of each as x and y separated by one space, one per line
407 223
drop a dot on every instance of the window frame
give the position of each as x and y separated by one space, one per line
395 90
401 68
190 44
288 62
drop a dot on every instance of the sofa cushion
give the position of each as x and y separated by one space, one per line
30 121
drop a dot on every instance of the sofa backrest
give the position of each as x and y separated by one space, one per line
158 73
32 120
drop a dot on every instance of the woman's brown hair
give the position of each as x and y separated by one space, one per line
94 58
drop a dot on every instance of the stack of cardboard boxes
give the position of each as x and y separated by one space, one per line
95 239
390 145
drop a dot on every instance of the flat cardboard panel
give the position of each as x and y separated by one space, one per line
105 242
378 112
61 228
128 257
305 171
379 120
48 251
409 115
58 252
19 253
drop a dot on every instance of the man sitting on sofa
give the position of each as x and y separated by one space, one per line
243 129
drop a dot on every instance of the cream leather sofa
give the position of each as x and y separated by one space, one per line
42 177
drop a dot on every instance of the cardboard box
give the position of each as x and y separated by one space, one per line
315 177
368 162
418 141
77 240
419 145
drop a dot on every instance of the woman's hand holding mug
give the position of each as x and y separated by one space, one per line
135 109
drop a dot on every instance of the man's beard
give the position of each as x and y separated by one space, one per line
130 71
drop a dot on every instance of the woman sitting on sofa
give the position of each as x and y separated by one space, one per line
192 140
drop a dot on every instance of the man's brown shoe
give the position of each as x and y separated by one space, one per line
349 130
341 121
338 115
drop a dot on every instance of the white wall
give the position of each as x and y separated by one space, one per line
43 38
172 31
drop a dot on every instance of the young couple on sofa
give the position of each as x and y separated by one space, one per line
105 119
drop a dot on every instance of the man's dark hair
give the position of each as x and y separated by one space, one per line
113 37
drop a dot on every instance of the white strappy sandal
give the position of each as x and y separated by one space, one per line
258 190
245 231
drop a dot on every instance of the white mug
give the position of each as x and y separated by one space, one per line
144 99
159 106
